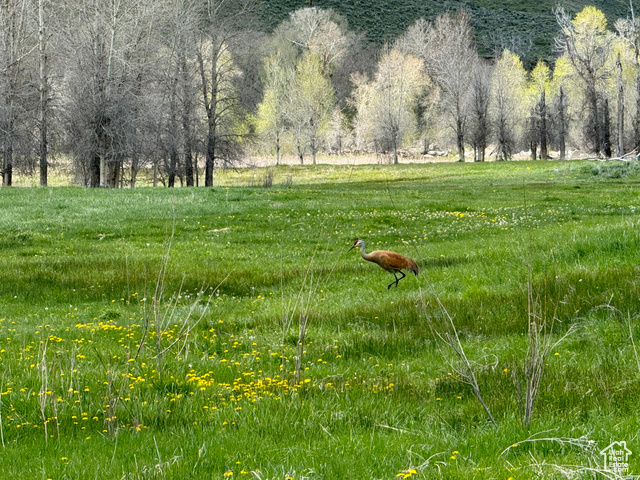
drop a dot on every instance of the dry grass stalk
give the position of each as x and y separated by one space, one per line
447 333
165 314
44 388
539 344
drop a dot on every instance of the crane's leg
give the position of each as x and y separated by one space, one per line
397 279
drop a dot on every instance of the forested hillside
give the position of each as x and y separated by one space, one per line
528 28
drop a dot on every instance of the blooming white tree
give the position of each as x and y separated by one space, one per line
387 104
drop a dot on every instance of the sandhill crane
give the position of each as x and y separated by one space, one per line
391 261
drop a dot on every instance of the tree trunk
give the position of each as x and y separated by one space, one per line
480 151
173 149
196 172
606 127
186 121
277 148
104 174
113 173
210 99
533 134
300 152
173 165
562 126
7 167
134 169
121 170
211 155
94 171
188 167
43 163
44 96
596 128
620 147
460 140
544 153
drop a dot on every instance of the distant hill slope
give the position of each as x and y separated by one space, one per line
528 27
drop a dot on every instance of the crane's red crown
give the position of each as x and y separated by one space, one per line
355 244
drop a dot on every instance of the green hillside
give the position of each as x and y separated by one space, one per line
528 26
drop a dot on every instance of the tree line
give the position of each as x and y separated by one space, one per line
174 87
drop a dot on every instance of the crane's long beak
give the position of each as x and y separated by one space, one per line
352 247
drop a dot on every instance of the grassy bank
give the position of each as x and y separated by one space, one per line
114 367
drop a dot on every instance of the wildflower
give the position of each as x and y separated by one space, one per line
228 474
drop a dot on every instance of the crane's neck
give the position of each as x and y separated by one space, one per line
365 255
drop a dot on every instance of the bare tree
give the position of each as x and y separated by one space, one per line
15 94
448 50
44 108
321 32
506 107
313 43
449 62
538 131
629 30
387 105
587 44
177 83
107 44
479 111
221 25
271 117
309 104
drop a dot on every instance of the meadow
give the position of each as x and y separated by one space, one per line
229 333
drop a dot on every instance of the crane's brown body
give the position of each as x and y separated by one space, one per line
391 261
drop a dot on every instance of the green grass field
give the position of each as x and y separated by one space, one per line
152 333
